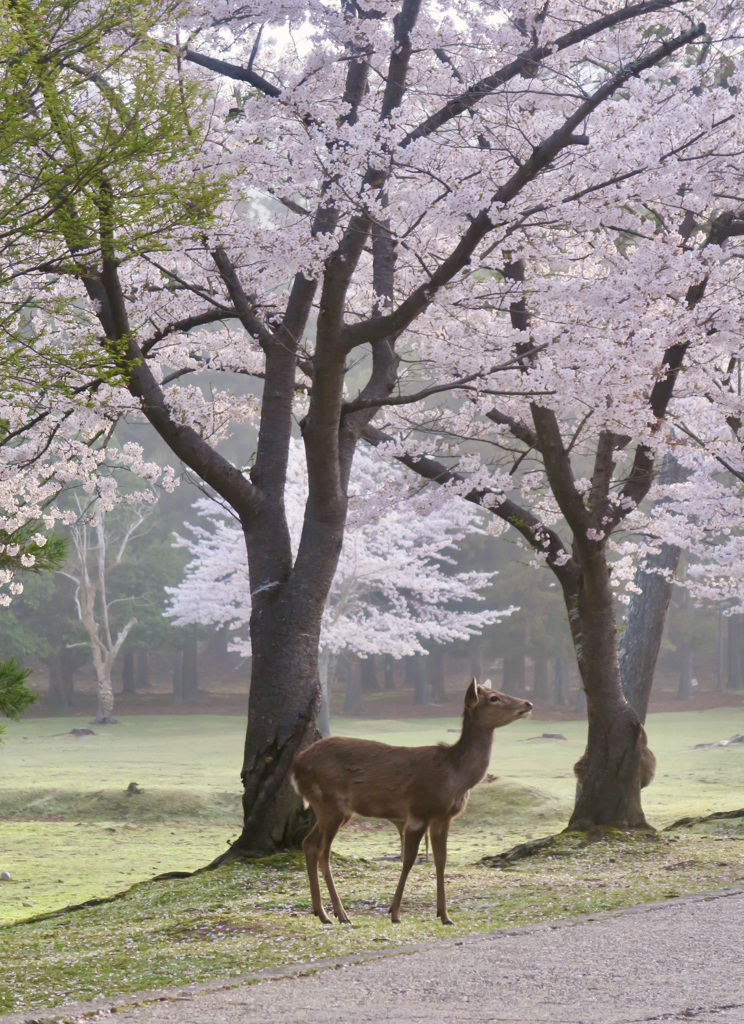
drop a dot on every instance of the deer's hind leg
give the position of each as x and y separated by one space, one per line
311 849
329 826
412 835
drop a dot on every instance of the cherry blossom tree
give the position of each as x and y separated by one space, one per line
395 584
366 206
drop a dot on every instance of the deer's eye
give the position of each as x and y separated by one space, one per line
495 699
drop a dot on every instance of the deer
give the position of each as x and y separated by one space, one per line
423 787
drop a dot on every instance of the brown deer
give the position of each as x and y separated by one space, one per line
424 787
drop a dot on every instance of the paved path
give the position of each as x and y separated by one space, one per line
676 961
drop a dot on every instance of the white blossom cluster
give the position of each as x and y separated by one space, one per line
396 586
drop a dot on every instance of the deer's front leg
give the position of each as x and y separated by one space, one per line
412 836
439 830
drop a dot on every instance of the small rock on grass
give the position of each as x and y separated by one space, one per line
4 876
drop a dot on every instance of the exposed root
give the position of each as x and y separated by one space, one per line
564 844
716 816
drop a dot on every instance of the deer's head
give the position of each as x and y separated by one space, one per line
493 709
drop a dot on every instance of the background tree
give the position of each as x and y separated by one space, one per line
97 550
396 587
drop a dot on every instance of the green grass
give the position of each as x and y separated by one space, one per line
86 838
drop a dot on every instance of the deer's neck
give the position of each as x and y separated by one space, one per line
472 753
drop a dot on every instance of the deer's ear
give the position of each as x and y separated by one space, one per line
486 685
471 696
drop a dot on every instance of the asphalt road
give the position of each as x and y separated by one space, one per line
677 961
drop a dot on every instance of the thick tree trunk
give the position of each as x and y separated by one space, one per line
580 702
285 698
610 793
389 670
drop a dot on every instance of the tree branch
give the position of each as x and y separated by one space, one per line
233 71
527 62
542 156
542 539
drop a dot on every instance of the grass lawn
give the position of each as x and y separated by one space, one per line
70 833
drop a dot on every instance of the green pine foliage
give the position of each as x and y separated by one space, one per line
15 696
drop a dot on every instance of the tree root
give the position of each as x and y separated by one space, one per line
716 816
564 844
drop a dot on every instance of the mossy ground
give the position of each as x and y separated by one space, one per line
93 841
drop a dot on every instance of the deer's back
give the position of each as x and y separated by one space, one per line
378 780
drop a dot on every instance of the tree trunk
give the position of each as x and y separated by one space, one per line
66 676
686 652
611 792
541 687
285 698
720 655
105 692
560 681
437 661
515 673
326 670
352 687
177 677
190 667
476 659
416 679
580 702
142 671
735 681
647 611
515 665
127 673
61 679
56 696
389 672
644 627
370 682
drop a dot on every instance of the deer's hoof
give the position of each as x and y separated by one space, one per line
344 918
322 917
444 917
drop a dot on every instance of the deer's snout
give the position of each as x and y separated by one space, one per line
527 709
